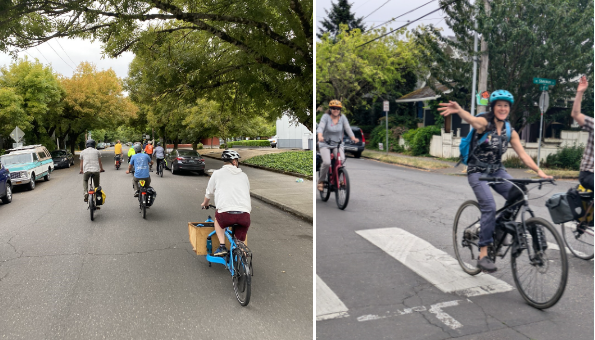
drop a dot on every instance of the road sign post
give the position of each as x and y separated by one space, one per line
385 104
544 103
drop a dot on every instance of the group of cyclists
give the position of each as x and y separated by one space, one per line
484 159
229 186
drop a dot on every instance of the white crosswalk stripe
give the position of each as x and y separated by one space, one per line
328 304
433 264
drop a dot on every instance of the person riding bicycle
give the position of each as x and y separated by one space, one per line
118 150
230 188
331 127
90 166
586 170
140 162
131 152
486 159
149 151
159 154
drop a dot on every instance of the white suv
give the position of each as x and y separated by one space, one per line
28 164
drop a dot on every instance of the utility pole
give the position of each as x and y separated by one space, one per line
483 68
474 85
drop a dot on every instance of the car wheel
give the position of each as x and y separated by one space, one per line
173 172
47 177
358 154
8 198
68 166
32 182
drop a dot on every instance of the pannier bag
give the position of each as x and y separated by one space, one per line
559 208
151 195
99 196
576 203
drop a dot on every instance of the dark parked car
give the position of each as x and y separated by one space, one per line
185 160
355 149
62 158
101 146
5 185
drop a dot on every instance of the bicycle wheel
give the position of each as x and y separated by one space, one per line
160 169
143 205
92 206
242 280
465 236
325 194
342 193
541 275
579 239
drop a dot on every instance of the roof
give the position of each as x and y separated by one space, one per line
25 148
425 93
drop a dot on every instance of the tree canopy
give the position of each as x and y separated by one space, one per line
526 39
340 13
263 47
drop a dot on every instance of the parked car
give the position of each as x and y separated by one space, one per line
5 185
273 141
28 164
112 144
185 160
62 158
355 149
100 146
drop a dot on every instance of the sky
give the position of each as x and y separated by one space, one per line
64 55
391 9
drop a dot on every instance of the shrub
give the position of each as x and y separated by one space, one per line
515 162
419 139
378 135
249 143
567 158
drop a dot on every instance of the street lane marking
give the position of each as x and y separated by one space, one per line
328 304
436 309
433 264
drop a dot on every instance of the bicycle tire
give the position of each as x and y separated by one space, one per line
468 215
160 169
325 194
92 206
242 279
343 188
579 244
551 256
143 205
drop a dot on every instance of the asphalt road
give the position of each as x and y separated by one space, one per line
122 277
375 296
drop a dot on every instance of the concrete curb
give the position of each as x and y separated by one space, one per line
399 164
281 206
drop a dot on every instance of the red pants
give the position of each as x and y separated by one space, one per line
226 219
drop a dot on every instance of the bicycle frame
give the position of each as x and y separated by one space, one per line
227 261
334 168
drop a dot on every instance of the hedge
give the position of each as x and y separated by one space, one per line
291 161
249 143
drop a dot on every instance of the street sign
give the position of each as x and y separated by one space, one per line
544 81
544 87
17 145
385 109
17 134
380 146
544 102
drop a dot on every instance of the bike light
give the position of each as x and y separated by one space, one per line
91 192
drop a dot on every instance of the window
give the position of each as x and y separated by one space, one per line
41 154
35 159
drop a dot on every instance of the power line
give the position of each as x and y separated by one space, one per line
361 5
59 56
377 9
46 59
415 9
409 23
58 41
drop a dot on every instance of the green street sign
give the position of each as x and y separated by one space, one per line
544 87
543 81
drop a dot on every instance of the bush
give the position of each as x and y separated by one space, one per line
419 139
567 158
515 162
249 143
378 135
291 161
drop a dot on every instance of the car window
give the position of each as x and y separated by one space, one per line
58 153
357 133
23 158
41 155
188 153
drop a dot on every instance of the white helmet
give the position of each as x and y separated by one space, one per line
228 155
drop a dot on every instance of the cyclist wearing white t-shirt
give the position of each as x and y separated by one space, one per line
230 188
90 166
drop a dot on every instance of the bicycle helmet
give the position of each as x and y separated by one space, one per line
158 143
335 104
150 142
229 155
501 95
90 143
137 148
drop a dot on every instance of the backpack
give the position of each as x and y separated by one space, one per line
465 146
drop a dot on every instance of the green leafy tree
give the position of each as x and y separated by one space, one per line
526 39
269 43
340 13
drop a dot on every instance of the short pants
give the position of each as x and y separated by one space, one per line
225 219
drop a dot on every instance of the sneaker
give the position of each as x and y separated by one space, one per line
136 194
86 199
486 265
221 251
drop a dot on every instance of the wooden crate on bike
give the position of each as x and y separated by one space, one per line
198 233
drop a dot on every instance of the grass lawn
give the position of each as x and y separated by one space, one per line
292 161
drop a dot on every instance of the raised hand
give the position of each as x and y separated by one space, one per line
449 108
582 84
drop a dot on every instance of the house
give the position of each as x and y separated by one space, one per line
293 135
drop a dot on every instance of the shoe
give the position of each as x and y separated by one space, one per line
86 199
136 194
486 265
221 251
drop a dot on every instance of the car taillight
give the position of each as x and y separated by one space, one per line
179 158
363 138
202 159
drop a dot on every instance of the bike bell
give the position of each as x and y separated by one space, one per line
209 219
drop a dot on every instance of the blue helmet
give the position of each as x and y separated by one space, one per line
501 95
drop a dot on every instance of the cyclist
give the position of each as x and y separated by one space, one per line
90 166
159 154
118 150
231 189
140 162
131 152
331 127
149 151
586 169
486 159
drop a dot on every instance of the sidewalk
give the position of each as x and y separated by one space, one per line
274 188
443 167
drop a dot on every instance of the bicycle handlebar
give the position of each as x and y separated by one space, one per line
519 181
209 206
